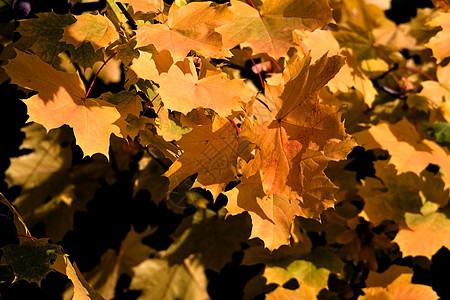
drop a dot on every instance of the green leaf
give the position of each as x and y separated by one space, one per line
30 261
441 131
85 55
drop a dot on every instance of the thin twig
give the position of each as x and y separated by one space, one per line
127 15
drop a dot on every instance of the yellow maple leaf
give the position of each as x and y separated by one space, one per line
395 283
182 90
424 235
150 65
146 6
270 29
95 29
439 43
191 27
61 101
126 103
438 92
409 153
272 216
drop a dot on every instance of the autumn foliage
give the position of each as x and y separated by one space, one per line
302 143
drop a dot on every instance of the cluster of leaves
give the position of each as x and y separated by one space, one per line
229 120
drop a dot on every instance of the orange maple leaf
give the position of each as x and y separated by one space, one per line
191 27
61 101
146 6
210 150
286 178
300 124
270 29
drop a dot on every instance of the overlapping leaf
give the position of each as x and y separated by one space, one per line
211 150
270 29
438 42
61 100
191 27
98 30
409 153
185 91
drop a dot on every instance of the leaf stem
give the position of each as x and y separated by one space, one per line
259 73
250 2
27 236
421 72
274 61
235 126
96 75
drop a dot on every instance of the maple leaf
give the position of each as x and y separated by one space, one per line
95 29
395 283
392 195
408 152
103 278
126 52
350 76
272 216
145 128
185 91
210 150
310 278
151 65
30 260
270 29
169 127
293 150
191 27
85 55
438 43
126 103
51 188
150 178
300 123
146 6
211 236
425 234
42 35
61 101
310 268
81 288
438 92
158 280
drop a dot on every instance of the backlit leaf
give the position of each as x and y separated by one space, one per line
61 101
191 27
95 29
270 29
